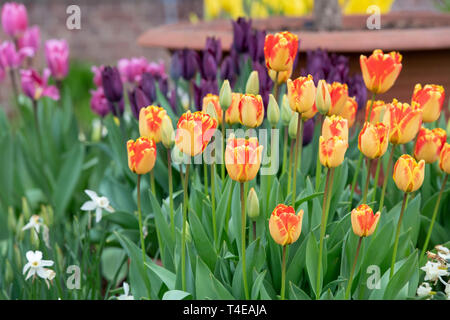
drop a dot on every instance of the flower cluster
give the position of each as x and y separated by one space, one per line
436 269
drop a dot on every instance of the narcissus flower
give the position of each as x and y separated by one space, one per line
126 293
280 50
339 96
194 131
404 121
214 99
243 158
378 110
373 139
430 98
349 111
408 174
251 110
150 120
141 155
232 113
380 70
429 144
332 151
36 266
97 204
284 225
301 93
335 126
34 223
444 158
364 221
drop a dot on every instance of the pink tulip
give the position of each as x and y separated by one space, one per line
99 103
30 39
97 71
35 86
14 19
57 56
132 69
157 69
10 57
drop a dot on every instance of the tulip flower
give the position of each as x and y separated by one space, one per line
138 100
339 96
241 33
284 225
35 86
214 47
404 121
378 110
141 155
286 112
409 174
243 158
251 110
429 144
225 95
57 57
280 77
310 113
30 39
349 111
280 50
99 103
10 58
112 84
430 98
444 158
373 139
184 64
335 126
208 67
301 93
14 19
214 99
323 98
194 131
256 45
232 113
380 70
131 70
332 151
150 120
252 204
273 111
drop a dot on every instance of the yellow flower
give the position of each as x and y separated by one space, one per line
364 221
373 139
284 225
332 151
301 93
408 174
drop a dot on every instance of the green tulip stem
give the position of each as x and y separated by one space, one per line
366 187
283 273
183 232
141 227
298 156
285 145
397 234
350 280
169 167
243 226
375 183
386 177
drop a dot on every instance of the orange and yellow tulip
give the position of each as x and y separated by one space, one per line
404 121
349 111
251 110
194 131
378 110
444 158
380 70
243 158
364 222
430 98
310 113
284 225
332 151
150 120
429 144
280 50
214 99
373 139
339 95
323 98
335 126
408 174
141 155
232 113
301 93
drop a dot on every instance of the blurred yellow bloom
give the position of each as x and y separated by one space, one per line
258 10
211 8
296 7
235 8
360 6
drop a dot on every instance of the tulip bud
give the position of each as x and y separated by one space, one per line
429 144
273 111
167 133
301 93
11 219
112 84
9 273
408 174
232 113
293 124
323 98
364 222
286 112
211 110
430 98
284 225
252 204
444 158
225 95
404 121
251 110
252 86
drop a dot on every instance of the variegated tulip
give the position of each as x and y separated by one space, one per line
310 113
349 111
280 50
378 110
339 95
373 139
150 120
323 98
430 98
444 158
364 222
380 70
408 174
404 121
141 155
284 225
332 151
232 113
335 126
283 76
194 131
301 93
243 158
429 144
214 99
251 110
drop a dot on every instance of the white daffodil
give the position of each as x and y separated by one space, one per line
447 291
443 252
50 276
424 290
126 291
433 271
36 265
96 203
35 223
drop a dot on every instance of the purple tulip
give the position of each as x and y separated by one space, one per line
226 69
30 39
112 84
14 19
138 100
265 83
187 64
117 106
57 56
308 131
99 103
256 45
241 34
357 89
176 65
173 100
97 71
35 86
148 86
163 85
214 47
200 91
10 58
209 66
